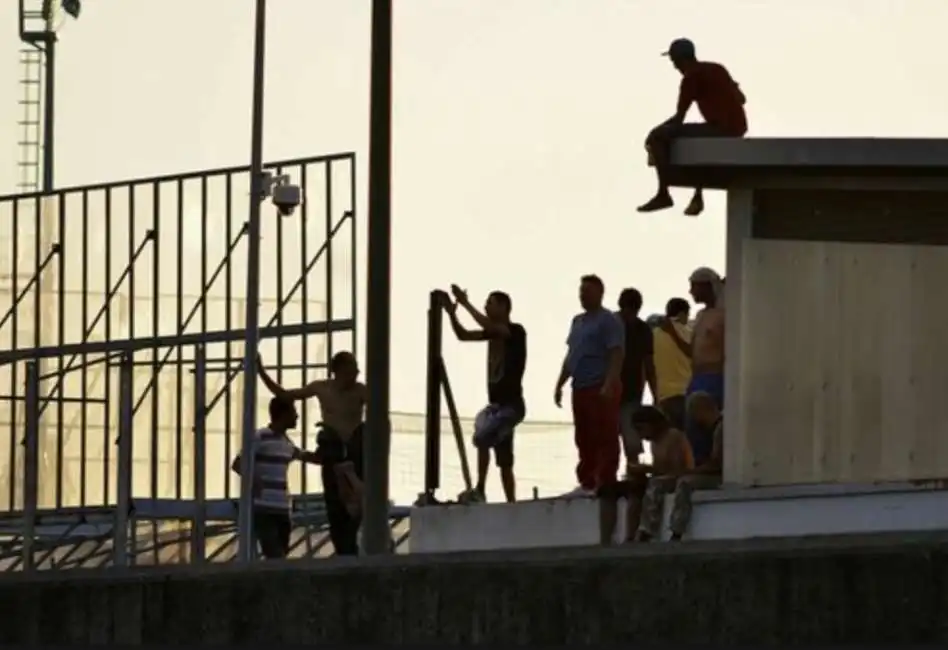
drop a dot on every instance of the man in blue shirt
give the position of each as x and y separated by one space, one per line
595 348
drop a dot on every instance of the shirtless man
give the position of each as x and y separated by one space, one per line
342 405
671 459
706 350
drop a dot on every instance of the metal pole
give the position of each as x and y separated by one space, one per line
376 537
433 396
31 464
49 108
199 459
123 507
245 543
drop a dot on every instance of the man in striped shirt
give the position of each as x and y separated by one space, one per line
342 406
273 452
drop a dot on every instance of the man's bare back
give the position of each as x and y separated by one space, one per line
342 408
707 352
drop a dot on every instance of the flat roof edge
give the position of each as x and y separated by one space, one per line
832 155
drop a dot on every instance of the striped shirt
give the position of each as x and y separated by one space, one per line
272 455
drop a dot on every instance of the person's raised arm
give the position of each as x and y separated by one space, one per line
669 328
311 389
489 328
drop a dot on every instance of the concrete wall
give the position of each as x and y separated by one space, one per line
841 357
882 590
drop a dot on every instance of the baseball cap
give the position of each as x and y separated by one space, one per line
680 48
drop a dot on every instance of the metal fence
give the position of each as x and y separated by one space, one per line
143 280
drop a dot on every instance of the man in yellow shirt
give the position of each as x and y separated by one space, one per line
673 367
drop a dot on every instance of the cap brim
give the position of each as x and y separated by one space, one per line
666 53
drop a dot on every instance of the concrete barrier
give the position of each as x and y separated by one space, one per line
872 589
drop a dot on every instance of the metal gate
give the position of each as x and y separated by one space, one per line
121 316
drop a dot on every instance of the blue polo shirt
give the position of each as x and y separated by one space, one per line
592 336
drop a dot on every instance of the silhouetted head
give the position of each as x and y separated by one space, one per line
344 368
682 54
497 307
706 286
630 304
591 290
283 415
649 422
678 309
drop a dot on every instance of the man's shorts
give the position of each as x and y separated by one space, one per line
494 428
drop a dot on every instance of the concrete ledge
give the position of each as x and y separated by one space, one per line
727 162
881 589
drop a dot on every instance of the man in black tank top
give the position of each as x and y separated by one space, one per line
506 361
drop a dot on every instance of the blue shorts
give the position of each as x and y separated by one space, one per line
711 383
702 442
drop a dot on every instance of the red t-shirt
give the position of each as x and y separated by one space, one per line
718 96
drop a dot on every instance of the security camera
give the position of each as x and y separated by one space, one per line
285 195
287 198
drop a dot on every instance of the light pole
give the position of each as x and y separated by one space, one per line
246 546
376 537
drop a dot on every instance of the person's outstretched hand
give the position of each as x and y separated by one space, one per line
459 294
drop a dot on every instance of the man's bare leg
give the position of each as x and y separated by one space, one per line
633 516
483 463
696 206
508 483
608 517
662 198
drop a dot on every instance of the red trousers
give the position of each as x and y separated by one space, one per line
596 433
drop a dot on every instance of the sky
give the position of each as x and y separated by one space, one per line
518 128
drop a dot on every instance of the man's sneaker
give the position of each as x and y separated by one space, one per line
580 492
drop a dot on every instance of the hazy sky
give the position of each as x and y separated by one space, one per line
518 127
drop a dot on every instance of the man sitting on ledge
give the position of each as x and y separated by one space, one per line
703 410
721 104
671 458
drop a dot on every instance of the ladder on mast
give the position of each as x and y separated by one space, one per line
29 143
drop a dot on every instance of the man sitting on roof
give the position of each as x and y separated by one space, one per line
721 104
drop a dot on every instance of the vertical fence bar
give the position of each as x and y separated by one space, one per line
31 464
38 222
107 416
205 289
123 506
84 358
14 375
251 344
59 464
433 395
279 290
304 316
328 234
228 324
353 256
179 320
199 461
155 383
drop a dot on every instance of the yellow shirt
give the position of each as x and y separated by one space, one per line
672 366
